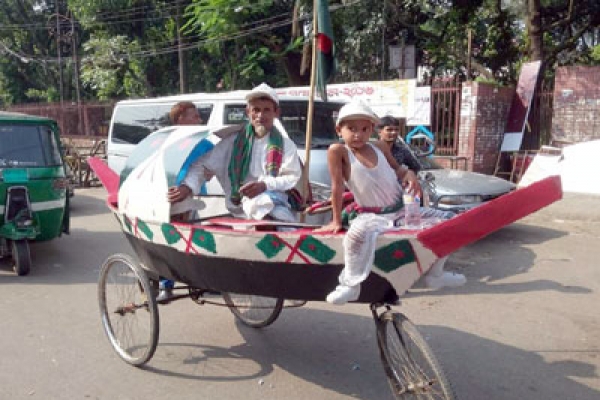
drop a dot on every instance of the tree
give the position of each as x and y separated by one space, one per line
110 74
250 40
28 65
557 30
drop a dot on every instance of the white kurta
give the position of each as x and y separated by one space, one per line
217 161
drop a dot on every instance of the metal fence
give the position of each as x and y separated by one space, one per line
88 119
92 119
445 116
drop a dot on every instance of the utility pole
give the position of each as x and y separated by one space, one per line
383 31
469 44
82 116
180 53
60 69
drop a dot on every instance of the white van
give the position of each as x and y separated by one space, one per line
133 120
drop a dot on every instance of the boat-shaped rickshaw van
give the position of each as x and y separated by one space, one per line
257 265
227 254
33 186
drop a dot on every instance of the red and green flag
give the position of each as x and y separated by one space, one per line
325 48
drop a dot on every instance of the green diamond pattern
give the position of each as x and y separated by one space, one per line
127 223
205 240
317 249
171 234
394 255
142 226
270 245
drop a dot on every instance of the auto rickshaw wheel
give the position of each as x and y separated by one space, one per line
412 370
21 257
128 309
254 311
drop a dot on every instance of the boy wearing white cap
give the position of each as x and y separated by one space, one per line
371 173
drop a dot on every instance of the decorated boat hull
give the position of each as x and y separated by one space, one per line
224 255
294 265
246 257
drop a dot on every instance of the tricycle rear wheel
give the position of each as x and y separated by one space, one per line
254 311
412 369
128 309
21 257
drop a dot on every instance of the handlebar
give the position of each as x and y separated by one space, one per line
417 150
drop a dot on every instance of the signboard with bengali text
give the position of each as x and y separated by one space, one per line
399 98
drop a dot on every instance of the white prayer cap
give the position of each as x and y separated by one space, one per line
356 110
263 90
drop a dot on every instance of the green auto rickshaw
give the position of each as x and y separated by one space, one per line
34 204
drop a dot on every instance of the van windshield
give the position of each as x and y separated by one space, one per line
28 146
293 117
132 123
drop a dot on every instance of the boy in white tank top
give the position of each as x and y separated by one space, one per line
371 173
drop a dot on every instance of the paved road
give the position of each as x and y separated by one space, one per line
525 326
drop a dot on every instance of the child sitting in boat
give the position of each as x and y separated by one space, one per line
371 173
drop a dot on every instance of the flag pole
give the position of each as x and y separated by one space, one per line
311 107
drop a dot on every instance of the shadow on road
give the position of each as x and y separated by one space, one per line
342 356
501 255
491 370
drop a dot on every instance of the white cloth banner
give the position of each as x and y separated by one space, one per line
420 113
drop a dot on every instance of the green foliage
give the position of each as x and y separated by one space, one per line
107 70
246 38
595 54
128 48
358 35
49 95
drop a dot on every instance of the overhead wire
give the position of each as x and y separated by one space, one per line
191 45
117 18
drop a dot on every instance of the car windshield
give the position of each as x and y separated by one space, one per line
28 146
293 117
132 123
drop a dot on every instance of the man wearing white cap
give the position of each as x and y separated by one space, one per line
258 166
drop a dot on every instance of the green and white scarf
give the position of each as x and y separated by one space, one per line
239 165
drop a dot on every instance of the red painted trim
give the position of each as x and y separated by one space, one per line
108 177
473 225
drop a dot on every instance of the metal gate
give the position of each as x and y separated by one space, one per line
445 114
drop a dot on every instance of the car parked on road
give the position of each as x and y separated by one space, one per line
457 190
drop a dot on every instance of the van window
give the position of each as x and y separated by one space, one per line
132 123
28 146
293 117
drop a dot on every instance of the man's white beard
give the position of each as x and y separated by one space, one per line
260 130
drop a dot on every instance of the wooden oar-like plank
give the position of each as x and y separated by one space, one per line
479 222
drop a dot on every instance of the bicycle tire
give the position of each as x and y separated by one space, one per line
412 369
254 311
127 310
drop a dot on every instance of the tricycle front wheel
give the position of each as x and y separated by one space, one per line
21 257
411 368
128 309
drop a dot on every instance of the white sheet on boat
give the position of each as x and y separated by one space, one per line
144 193
577 167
